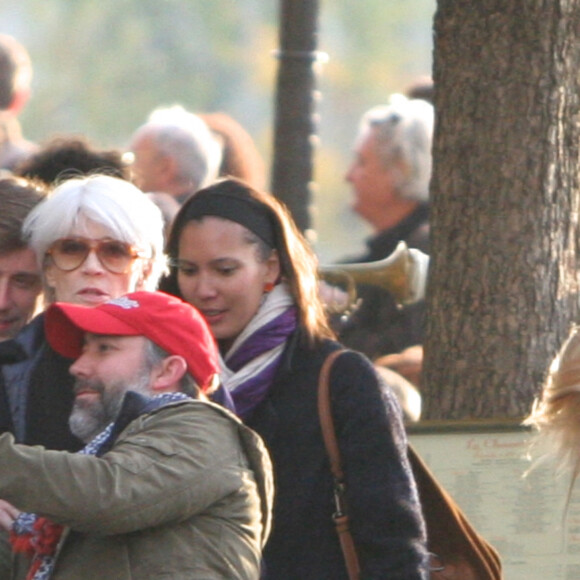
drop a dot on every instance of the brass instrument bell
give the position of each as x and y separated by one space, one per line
403 274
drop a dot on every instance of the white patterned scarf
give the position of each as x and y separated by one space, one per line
247 369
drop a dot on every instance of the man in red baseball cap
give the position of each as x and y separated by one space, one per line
169 484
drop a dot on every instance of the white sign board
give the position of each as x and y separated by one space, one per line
483 468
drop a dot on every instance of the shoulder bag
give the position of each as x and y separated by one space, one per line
457 551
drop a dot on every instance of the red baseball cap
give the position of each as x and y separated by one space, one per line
174 325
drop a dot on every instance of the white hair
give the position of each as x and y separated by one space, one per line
113 203
404 132
186 138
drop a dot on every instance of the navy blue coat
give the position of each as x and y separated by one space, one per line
385 514
39 391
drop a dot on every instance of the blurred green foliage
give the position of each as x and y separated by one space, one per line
102 65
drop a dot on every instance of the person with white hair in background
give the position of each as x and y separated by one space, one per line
95 239
390 173
175 153
15 79
390 177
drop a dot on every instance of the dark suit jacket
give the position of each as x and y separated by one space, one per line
379 326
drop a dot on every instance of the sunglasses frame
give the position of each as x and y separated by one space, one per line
95 246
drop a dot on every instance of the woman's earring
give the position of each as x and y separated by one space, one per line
268 287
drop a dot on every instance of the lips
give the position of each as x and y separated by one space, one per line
83 384
11 324
84 392
93 295
213 316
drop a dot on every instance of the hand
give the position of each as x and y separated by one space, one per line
408 363
335 299
8 513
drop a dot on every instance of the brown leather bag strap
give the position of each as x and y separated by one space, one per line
325 414
328 433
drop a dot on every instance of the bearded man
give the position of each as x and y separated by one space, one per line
169 485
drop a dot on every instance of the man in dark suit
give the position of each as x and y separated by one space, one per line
390 177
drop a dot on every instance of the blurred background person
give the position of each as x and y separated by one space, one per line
390 177
20 295
67 156
175 153
168 205
238 257
20 285
406 392
95 239
421 88
240 156
15 77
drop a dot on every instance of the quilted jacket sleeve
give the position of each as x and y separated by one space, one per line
164 467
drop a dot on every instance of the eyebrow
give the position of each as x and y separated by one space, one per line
24 274
91 336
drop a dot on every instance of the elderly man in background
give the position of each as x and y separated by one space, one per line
390 177
174 153
169 484
15 77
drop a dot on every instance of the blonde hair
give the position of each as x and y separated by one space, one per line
556 414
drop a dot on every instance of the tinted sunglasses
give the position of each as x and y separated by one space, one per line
69 253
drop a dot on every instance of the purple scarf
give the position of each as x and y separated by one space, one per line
267 341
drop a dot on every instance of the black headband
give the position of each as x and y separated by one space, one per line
246 212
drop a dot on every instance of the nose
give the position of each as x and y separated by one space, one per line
205 287
80 369
92 265
4 295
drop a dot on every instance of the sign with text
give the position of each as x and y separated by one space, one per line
483 465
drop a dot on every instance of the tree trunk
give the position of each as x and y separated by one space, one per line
294 126
503 285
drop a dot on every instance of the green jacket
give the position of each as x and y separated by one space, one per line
185 493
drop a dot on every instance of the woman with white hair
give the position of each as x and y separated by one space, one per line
95 238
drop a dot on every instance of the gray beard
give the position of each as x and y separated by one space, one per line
89 418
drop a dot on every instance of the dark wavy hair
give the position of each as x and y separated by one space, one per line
64 157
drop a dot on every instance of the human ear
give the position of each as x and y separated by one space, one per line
168 373
144 272
167 167
19 99
400 174
273 268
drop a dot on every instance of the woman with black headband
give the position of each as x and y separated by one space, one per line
238 257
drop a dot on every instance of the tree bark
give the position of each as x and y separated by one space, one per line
503 285
294 123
